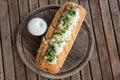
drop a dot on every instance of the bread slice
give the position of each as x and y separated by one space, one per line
40 61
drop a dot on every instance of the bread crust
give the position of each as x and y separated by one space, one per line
40 61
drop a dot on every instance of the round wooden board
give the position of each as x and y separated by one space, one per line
27 45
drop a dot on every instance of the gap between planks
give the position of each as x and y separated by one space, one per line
95 67
102 60
110 39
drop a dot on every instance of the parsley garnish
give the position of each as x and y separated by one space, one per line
72 11
50 59
51 53
66 27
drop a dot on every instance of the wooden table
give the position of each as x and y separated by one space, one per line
104 18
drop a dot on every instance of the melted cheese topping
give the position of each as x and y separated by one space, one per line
63 35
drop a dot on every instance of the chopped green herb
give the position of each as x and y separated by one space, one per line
51 53
50 59
66 27
71 8
66 40
65 19
58 33
59 42
63 30
71 11
51 50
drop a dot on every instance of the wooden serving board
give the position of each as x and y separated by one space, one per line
27 45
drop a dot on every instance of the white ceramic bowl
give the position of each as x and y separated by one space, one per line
37 26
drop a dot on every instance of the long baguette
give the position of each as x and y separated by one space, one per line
40 61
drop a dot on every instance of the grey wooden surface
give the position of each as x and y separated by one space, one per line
104 18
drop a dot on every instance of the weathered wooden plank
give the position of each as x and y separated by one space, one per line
94 61
30 74
53 2
76 76
86 70
1 61
42 78
95 66
14 21
43 2
101 44
23 8
62 1
119 4
115 16
85 73
53 79
23 12
67 78
110 39
33 4
76 1
6 41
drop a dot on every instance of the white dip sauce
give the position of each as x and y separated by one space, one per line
37 26
60 39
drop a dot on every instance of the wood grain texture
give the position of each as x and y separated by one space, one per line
1 62
101 43
6 42
23 8
43 2
94 61
76 76
53 2
1 59
110 39
67 78
30 74
82 56
23 11
14 21
86 72
42 78
119 4
115 17
53 79
33 4
62 2
76 1
103 16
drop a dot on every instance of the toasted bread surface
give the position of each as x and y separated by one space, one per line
40 61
